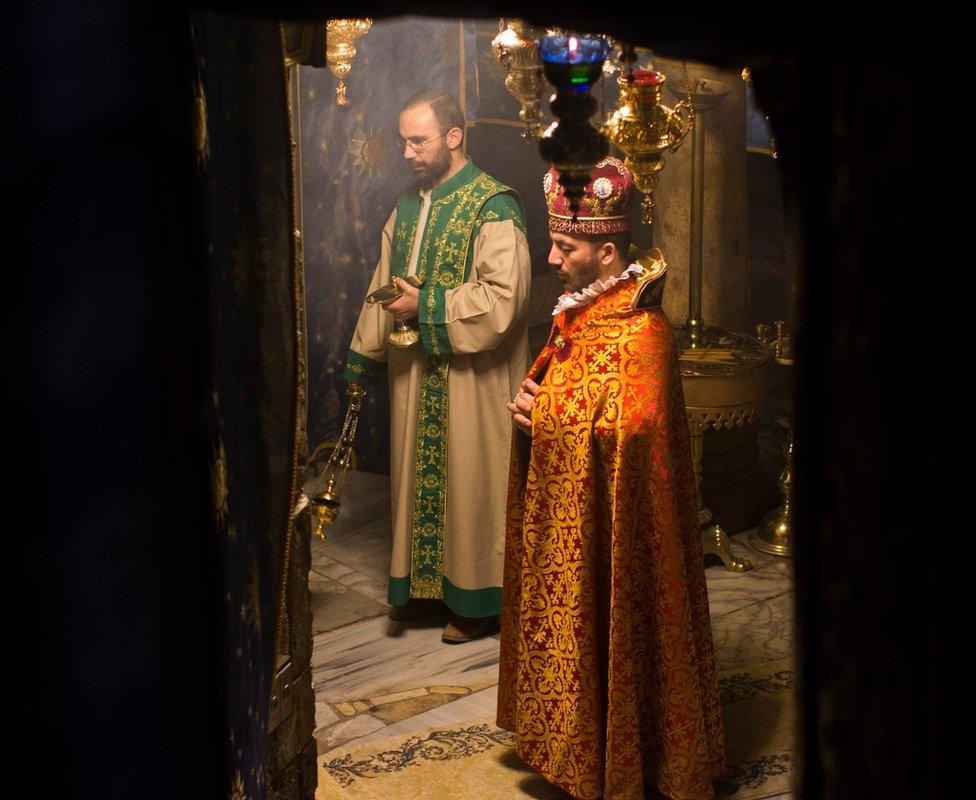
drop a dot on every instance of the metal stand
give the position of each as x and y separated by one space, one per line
775 534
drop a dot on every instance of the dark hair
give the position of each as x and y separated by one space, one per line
444 107
619 240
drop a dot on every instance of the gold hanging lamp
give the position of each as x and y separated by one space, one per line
643 128
340 50
517 49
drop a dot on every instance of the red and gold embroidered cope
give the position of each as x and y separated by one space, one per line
607 670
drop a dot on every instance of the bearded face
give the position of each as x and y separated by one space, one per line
424 145
431 164
575 260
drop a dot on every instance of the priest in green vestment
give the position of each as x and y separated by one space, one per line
461 233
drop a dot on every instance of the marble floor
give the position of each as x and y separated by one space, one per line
375 678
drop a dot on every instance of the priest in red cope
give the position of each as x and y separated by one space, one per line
607 671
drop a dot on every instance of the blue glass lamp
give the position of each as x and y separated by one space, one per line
573 63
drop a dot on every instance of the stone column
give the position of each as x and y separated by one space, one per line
725 286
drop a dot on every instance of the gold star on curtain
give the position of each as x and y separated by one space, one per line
370 151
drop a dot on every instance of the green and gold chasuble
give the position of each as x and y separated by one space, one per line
458 209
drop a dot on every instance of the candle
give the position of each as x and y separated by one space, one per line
647 77
571 61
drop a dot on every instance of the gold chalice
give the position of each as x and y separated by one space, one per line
403 334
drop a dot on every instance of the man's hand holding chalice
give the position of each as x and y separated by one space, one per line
405 307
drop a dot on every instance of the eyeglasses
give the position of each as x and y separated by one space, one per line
417 147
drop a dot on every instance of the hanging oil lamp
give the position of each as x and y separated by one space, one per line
517 49
643 128
340 50
573 63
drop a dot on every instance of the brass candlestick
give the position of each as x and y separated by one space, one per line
722 372
775 533
517 48
340 50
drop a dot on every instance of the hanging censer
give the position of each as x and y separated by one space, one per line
325 505
643 128
340 50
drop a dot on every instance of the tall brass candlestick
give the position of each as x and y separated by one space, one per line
775 533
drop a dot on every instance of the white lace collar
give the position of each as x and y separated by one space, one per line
589 293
